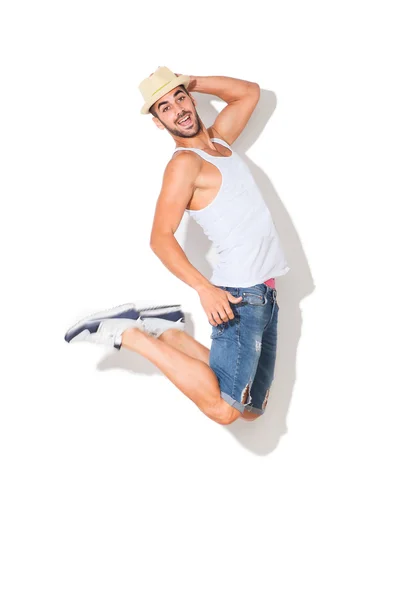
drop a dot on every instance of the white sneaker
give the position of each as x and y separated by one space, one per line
108 326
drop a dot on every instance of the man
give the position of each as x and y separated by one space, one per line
206 178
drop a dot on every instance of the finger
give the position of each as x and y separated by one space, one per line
216 316
235 300
225 312
229 312
212 321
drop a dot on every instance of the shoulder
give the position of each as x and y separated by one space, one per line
184 159
183 165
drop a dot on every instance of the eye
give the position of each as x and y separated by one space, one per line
182 98
164 109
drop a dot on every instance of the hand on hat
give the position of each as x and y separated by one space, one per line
191 84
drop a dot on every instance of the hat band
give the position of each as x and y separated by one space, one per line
160 88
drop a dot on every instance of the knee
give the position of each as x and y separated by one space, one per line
248 416
225 414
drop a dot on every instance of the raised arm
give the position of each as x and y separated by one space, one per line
241 97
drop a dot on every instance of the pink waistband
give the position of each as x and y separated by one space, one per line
270 282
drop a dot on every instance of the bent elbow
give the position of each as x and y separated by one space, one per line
257 90
156 242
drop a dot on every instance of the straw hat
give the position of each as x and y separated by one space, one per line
162 81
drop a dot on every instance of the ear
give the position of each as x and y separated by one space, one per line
158 123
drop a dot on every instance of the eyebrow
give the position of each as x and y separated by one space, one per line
165 102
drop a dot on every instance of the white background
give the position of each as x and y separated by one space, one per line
113 484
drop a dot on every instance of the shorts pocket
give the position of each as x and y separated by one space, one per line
254 298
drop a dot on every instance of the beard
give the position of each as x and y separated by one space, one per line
192 132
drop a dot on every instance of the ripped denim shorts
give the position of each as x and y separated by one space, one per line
243 350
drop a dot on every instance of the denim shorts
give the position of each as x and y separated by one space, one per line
243 349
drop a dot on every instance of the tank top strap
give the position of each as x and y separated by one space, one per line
197 150
221 142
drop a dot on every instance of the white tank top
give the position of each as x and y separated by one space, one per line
239 225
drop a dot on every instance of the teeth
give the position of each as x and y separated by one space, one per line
185 119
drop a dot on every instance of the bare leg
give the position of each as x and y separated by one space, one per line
187 344
191 376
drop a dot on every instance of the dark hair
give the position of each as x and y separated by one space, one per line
152 108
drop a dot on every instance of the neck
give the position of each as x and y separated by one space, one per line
202 140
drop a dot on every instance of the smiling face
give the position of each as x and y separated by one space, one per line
176 112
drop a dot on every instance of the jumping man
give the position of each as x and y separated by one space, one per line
207 179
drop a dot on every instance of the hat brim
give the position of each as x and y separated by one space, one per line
181 80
